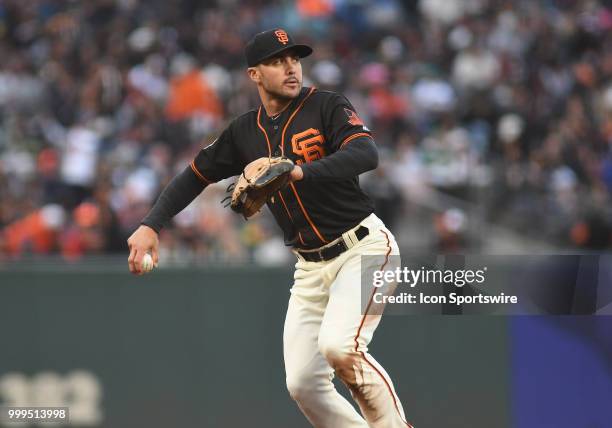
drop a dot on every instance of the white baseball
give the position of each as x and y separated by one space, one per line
147 263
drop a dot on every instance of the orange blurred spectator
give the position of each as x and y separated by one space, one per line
47 162
85 235
314 8
190 94
387 106
36 233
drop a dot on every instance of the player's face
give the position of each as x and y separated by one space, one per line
281 76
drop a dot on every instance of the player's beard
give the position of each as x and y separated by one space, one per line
283 94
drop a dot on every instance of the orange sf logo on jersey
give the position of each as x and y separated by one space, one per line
308 144
282 36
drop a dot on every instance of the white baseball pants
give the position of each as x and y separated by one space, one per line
326 331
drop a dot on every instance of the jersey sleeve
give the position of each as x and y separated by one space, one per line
342 124
218 160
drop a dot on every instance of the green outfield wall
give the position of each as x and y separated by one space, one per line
203 348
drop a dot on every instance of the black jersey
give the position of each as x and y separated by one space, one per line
316 124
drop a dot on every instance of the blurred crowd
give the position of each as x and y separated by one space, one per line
506 105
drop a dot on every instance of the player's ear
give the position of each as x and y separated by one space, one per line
254 74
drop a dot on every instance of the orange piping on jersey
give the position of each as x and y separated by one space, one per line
301 239
352 137
285 205
291 118
307 216
200 176
314 228
290 218
264 132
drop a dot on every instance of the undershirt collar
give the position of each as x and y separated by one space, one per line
274 120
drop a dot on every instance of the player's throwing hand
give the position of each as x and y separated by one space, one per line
143 240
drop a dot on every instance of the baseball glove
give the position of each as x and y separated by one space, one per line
259 181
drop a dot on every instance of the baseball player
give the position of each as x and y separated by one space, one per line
327 220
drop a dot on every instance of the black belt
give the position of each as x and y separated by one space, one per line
335 250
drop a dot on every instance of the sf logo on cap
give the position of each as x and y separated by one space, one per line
282 36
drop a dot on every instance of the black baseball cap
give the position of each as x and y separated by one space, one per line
271 42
